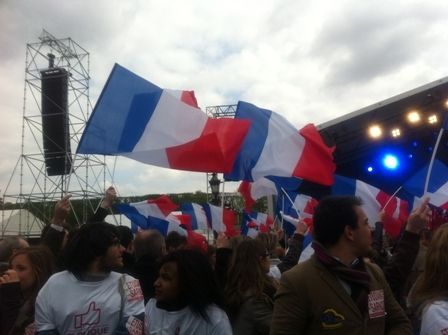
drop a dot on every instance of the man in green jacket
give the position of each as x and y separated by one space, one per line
337 291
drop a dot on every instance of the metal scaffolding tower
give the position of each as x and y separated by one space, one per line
30 185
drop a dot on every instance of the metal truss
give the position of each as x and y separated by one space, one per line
29 185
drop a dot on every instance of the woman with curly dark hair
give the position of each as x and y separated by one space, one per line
249 291
187 299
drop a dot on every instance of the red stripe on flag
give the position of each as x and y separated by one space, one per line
189 98
316 160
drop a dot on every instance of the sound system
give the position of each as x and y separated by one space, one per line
55 121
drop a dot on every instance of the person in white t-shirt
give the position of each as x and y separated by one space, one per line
187 299
90 298
429 296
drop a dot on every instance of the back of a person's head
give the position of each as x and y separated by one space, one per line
150 243
42 262
174 241
197 282
88 243
433 282
125 235
331 216
245 273
270 241
9 245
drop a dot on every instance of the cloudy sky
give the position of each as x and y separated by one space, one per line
310 61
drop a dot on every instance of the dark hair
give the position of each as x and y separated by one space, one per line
174 240
149 243
331 216
197 282
86 244
125 235
7 246
245 274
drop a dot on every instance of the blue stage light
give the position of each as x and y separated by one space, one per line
390 162
370 169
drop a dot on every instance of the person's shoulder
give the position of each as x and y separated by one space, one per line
436 309
301 268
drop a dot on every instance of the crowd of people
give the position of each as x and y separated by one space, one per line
102 279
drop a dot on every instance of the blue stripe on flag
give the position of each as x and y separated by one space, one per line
343 186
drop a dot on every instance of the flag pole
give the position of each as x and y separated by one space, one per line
392 196
431 162
292 202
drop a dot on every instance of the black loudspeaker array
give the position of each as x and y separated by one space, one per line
55 121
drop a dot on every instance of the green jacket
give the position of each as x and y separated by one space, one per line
312 300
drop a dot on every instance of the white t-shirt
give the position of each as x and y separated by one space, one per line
185 322
435 319
77 307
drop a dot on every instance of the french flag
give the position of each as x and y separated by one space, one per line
437 186
221 220
139 120
302 206
197 214
274 147
153 214
252 191
255 222
375 200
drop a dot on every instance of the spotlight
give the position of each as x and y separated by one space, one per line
395 132
370 169
432 119
413 117
390 162
375 131
446 103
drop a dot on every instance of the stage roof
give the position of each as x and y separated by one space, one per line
356 151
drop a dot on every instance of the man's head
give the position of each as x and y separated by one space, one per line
149 243
94 247
342 219
9 245
175 241
126 238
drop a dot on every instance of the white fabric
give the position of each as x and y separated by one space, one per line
435 319
185 322
77 307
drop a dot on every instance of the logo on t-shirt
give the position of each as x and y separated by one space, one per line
133 290
90 318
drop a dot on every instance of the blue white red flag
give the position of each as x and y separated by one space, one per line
255 222
221 220
301 206
137 119
437 186
197 214
375 200
153 214
274 147
252 191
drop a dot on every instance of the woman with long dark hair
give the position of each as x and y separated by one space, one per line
429 296
187 299
29 270
249 291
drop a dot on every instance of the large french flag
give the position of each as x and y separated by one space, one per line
139 120
375 200
197 214
274 147
437 186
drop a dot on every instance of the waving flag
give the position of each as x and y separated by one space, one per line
437 187
221 220
139 120
274 147
255 222
197 214
302 205
374 199
270 185
153 214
